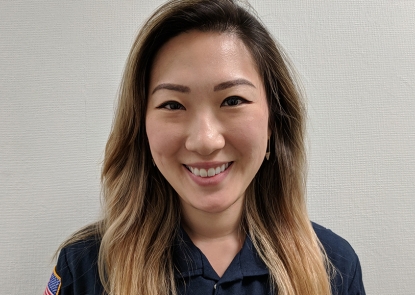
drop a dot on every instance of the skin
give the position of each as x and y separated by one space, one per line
207 108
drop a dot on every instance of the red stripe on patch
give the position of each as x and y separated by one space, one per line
54 284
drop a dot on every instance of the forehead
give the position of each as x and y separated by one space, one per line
207 53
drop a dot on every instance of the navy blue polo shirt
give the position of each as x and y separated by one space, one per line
247 273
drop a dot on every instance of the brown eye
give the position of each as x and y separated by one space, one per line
171 105
233 101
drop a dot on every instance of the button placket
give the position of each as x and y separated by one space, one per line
215 289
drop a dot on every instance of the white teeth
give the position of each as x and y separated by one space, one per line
203 172
210 172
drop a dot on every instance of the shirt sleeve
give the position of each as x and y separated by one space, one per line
64 271
348 272
356 284
77 269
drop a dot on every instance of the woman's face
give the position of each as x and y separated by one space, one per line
207 119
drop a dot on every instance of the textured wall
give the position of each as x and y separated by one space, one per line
60 67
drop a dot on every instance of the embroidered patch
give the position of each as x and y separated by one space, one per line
54 284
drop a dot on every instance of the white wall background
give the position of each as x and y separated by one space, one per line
60 67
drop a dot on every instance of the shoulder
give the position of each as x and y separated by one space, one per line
348 276
77 267
336 247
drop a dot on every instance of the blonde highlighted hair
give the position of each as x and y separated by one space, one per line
141 211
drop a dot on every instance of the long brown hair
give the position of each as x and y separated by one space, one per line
141 210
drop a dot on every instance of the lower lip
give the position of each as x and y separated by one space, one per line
209 181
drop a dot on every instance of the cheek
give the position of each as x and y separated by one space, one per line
249 136
253 141
164 140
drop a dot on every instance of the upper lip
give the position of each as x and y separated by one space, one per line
207 165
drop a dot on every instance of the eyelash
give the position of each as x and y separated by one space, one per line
177 106
238 98
174 105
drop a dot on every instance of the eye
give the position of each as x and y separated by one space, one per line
234 101
171 105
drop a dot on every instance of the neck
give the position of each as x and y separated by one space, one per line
217 234
202 225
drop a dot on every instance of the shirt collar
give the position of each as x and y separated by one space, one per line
190 261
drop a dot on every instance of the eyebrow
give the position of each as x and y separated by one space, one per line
232 83
185 89
170 86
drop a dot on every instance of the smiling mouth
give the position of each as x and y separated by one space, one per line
201 172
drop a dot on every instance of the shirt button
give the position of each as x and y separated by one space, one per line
214 286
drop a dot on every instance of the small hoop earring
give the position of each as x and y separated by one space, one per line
268 150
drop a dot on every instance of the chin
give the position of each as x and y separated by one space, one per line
218 206
213 209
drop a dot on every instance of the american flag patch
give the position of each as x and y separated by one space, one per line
54 284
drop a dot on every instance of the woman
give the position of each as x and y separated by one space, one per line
203 176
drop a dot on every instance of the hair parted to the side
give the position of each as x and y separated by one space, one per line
141 211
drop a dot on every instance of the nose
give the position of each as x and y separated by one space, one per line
205 135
